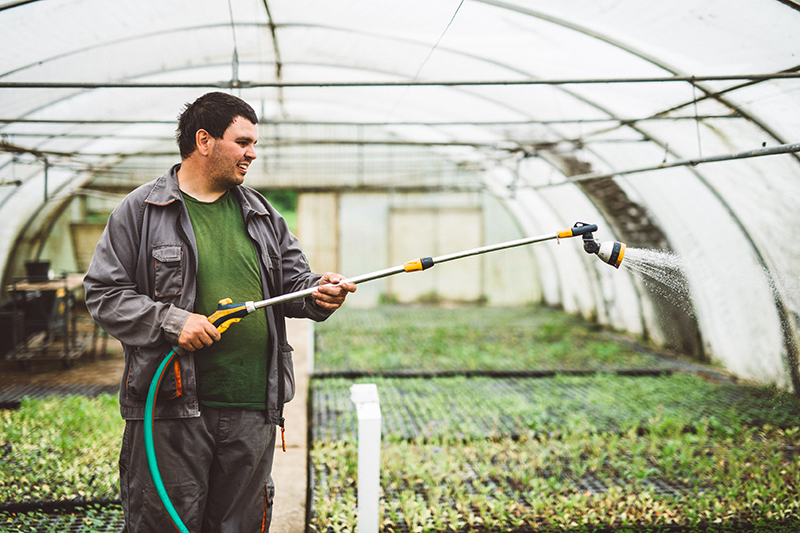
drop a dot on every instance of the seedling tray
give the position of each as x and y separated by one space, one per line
481 407
88 519
602 452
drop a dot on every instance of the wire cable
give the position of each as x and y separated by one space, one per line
419 70
430 53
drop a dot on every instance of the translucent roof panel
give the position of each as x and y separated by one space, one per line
639 114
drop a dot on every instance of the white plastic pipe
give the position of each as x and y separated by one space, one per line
311 347
368 409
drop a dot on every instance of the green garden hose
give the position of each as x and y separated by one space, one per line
150 450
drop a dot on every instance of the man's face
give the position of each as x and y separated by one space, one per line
231 156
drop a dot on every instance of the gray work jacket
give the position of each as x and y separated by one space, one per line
142 285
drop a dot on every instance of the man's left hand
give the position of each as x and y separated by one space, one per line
330 295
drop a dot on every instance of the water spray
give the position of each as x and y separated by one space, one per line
228 313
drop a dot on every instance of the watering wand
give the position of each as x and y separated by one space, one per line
609 252
228 313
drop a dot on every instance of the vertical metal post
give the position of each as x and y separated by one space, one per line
368 408
46 171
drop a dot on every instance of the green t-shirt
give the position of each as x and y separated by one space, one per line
232 372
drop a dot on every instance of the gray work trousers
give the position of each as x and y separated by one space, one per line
216 470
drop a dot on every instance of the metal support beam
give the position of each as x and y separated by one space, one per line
241 84
392 123
774 150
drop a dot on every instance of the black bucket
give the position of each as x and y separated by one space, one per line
37 270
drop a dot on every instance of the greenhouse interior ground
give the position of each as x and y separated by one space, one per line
532 381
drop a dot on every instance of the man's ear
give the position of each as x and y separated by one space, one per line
203 141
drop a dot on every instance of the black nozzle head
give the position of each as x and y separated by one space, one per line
590 245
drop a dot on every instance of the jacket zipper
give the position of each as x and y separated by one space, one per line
192 254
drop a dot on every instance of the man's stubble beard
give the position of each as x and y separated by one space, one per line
223 173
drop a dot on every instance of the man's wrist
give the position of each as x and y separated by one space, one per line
173 324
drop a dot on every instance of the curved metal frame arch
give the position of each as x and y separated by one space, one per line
790 333
595 35
580 29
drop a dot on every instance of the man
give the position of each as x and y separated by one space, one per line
171 250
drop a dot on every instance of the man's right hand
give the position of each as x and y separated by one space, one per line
197 333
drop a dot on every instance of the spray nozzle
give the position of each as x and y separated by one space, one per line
609 252
612 252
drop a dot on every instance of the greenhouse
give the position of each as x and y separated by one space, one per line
507 144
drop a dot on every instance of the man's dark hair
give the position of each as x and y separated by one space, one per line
212 112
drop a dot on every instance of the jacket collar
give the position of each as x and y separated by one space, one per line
249 200
165 190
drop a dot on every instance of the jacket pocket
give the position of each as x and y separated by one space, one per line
141 371
167 262
288 372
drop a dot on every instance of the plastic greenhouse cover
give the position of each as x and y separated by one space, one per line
307 69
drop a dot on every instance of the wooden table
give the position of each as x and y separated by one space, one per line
51 334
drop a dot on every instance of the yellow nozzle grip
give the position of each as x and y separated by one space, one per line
226 308
413 266
423 263
566 233
225 325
